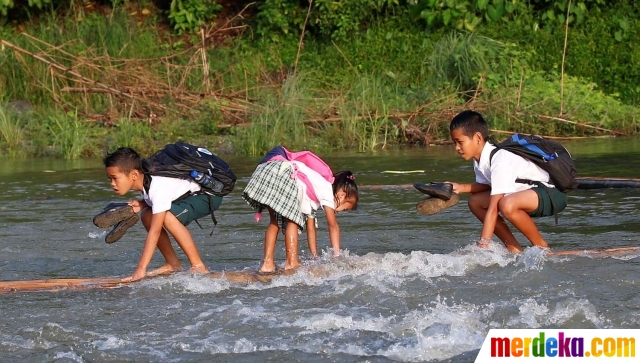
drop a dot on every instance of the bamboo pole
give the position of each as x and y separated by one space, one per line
606 252
583 183
237 277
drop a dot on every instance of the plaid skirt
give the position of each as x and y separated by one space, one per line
271 185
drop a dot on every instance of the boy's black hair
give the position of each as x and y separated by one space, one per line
345 180
125 158
470 122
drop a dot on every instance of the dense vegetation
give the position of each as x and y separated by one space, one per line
323 74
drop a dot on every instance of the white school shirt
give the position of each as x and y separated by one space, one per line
322 188
164 190
501 172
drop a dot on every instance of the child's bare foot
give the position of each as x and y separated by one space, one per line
291 266
267 267
165 270
199 268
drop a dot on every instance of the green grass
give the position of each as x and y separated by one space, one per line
12 133
70 134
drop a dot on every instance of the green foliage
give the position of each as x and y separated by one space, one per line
6 5
464 14
278 19
553 13
534 106
335 19
593 53
468 14
190 15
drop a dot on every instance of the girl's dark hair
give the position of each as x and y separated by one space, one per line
125 158
470 122
345 180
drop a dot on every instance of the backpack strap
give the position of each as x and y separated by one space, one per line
213 217
146 182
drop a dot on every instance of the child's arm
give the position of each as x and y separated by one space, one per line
311 237
334 230
490 220
150 244
470 188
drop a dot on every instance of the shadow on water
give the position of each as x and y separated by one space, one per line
409 287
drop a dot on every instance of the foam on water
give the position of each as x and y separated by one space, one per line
184 283
68 356
384 271
95 235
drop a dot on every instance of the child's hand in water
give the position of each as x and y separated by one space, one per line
483 242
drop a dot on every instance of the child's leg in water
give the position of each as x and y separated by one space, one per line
184 239
291 246
270 236
164 245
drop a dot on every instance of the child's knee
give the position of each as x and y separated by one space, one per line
506 207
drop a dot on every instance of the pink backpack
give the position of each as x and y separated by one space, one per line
309 159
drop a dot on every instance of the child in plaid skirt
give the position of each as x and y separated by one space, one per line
292 200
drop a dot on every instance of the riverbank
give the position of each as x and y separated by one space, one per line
96 82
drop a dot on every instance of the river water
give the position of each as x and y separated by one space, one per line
408 287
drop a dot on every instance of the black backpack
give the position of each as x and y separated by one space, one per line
180 159
548 154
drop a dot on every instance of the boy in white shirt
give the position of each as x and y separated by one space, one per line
168 205
496 194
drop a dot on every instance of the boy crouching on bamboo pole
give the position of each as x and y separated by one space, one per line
168 205
496 195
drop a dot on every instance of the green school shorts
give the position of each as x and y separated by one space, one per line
194 207
545 208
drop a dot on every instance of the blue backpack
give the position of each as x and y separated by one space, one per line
548 154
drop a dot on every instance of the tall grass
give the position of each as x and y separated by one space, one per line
279 120
12 132
460 59
133 134
70 134
365 116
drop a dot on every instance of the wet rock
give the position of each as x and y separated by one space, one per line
226 147
431 206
